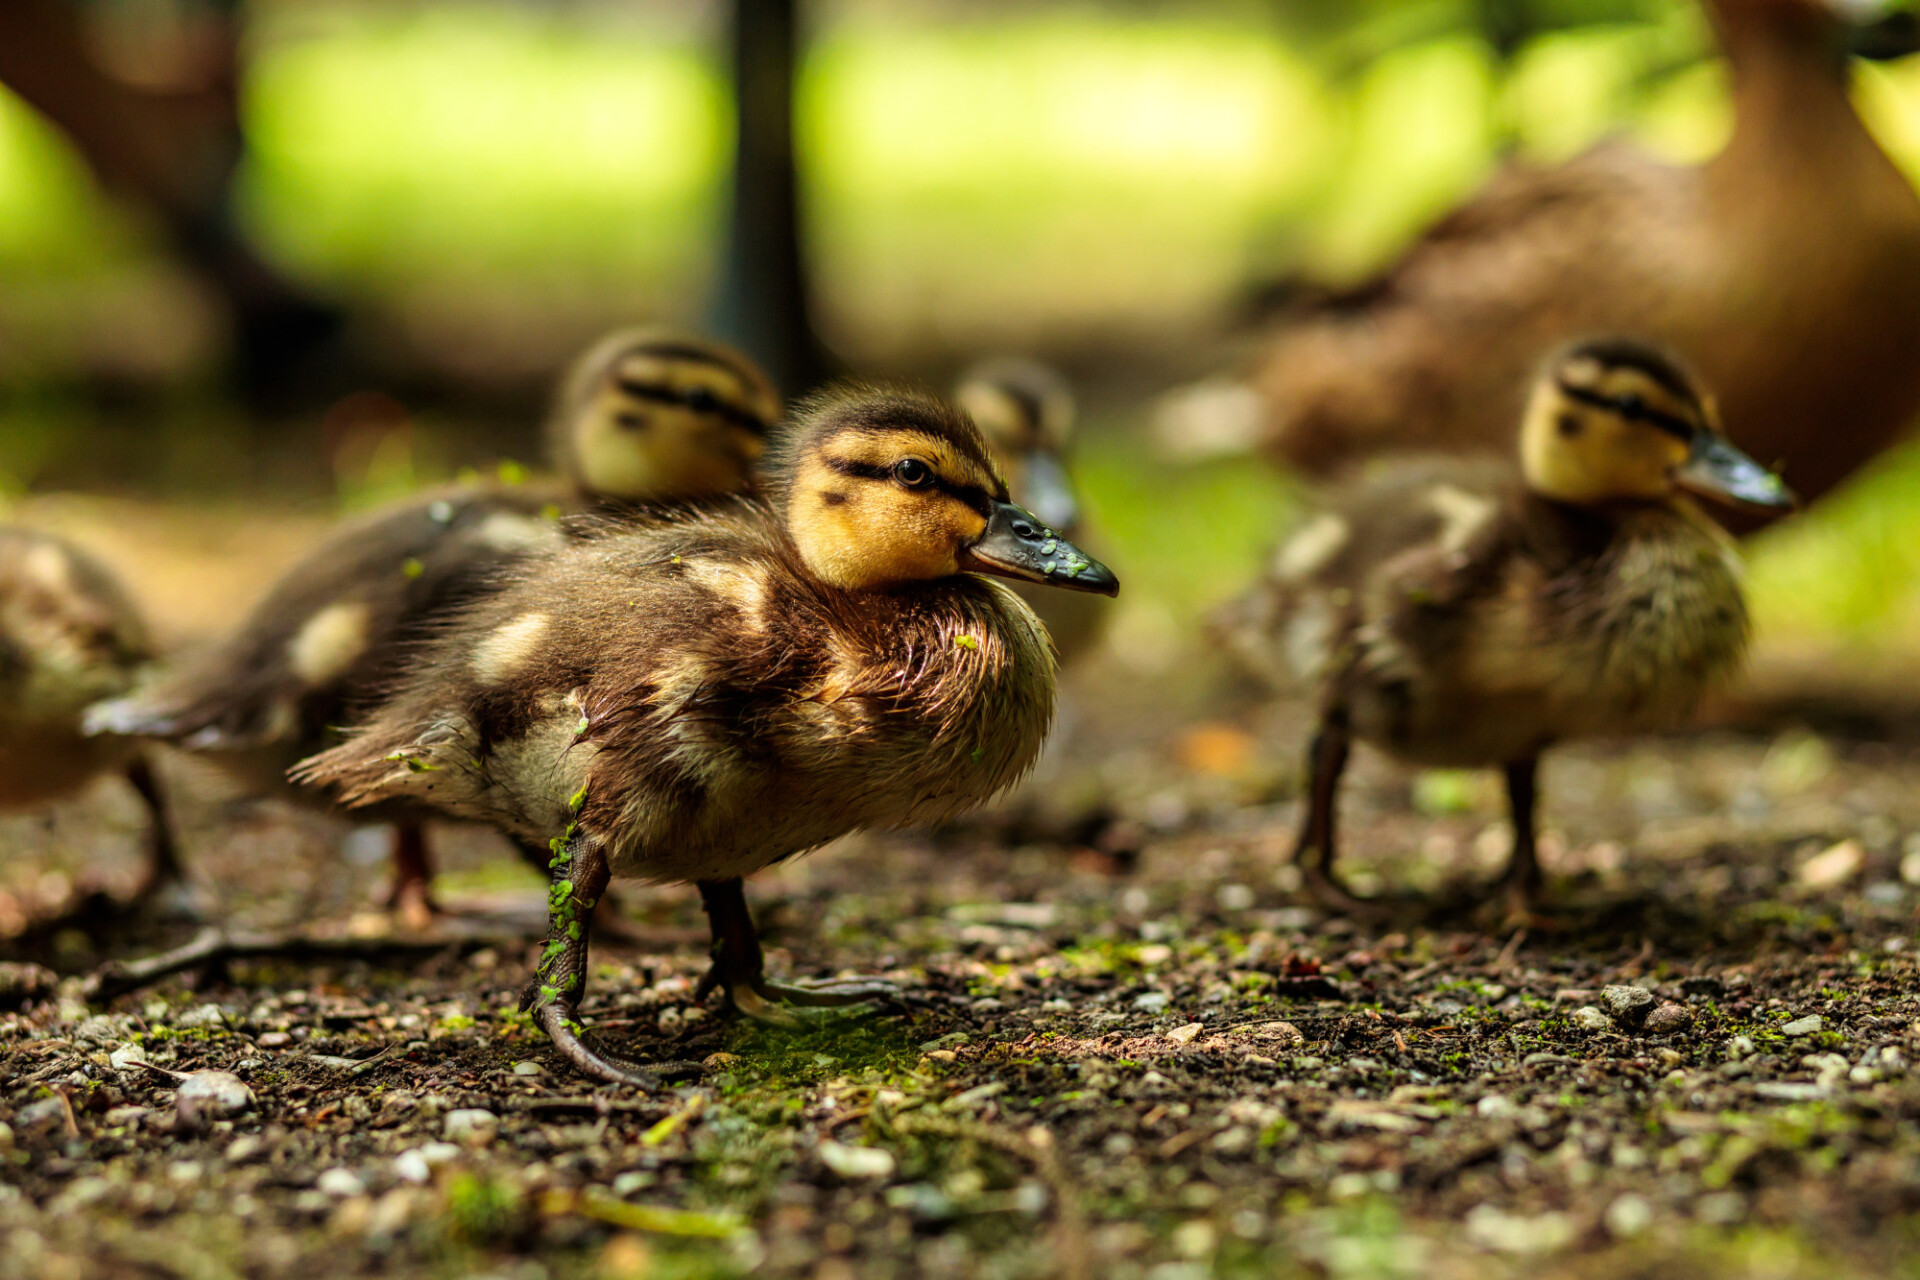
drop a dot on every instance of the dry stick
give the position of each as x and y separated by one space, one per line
217 946
1075 1259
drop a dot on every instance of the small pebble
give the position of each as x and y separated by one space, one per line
1588 1018
1807 1026
470 1125
1628 1005
856 1162
1184 1035
246 1147
340 1183
1628 1216
127 1057
1668 1018
525 1068
206 1096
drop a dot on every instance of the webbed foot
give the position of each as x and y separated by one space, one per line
739 970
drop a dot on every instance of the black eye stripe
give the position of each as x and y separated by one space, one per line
699 400
1637 411
971 494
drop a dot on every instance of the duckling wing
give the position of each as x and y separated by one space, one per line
1435 351
1392 553
336 627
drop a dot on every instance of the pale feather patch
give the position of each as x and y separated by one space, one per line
504 531
743 586
508 647
330 642
1311 547
1462 515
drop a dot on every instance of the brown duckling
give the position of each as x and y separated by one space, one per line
1027 412
696 697
1787 267
645 415
1464 612
69 636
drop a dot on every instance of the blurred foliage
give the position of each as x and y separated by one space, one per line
977 174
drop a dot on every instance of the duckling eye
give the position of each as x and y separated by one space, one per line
701 400
1568 424
913 473
1632 405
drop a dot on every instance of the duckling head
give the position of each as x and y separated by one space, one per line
882 487
1027 412
650 415
1616 420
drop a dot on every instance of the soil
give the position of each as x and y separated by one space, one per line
1125 1048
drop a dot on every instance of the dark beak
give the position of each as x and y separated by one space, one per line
1048 491
1018 545
1715 469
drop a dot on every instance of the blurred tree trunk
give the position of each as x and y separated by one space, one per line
764 294
174 150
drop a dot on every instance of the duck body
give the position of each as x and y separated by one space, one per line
647 416
695 696
1475 611
337 626
1787 267
1464 621
717 709
69 636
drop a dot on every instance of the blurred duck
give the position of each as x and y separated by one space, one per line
1027 411
69 636
1465 612
644 416
1787 267
698 696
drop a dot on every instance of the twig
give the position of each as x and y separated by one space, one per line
219 946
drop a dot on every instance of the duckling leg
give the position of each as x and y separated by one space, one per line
411 896
163 856
739 969
579 875
1523 880
1315 849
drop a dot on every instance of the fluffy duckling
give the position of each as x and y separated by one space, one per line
1027 411
696 697
1787 267
1460 612
69 636
644 416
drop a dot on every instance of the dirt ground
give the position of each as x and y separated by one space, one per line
1148 1058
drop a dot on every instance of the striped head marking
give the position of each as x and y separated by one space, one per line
651 415
885 487
1612 420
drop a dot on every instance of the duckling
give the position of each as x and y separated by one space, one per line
1787 267
694 697
1027 411
1467 612
70 635
645 415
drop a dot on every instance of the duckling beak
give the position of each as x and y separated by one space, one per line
1715 469
1018 544
1048 490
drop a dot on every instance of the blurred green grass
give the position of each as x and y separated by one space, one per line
1040 171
